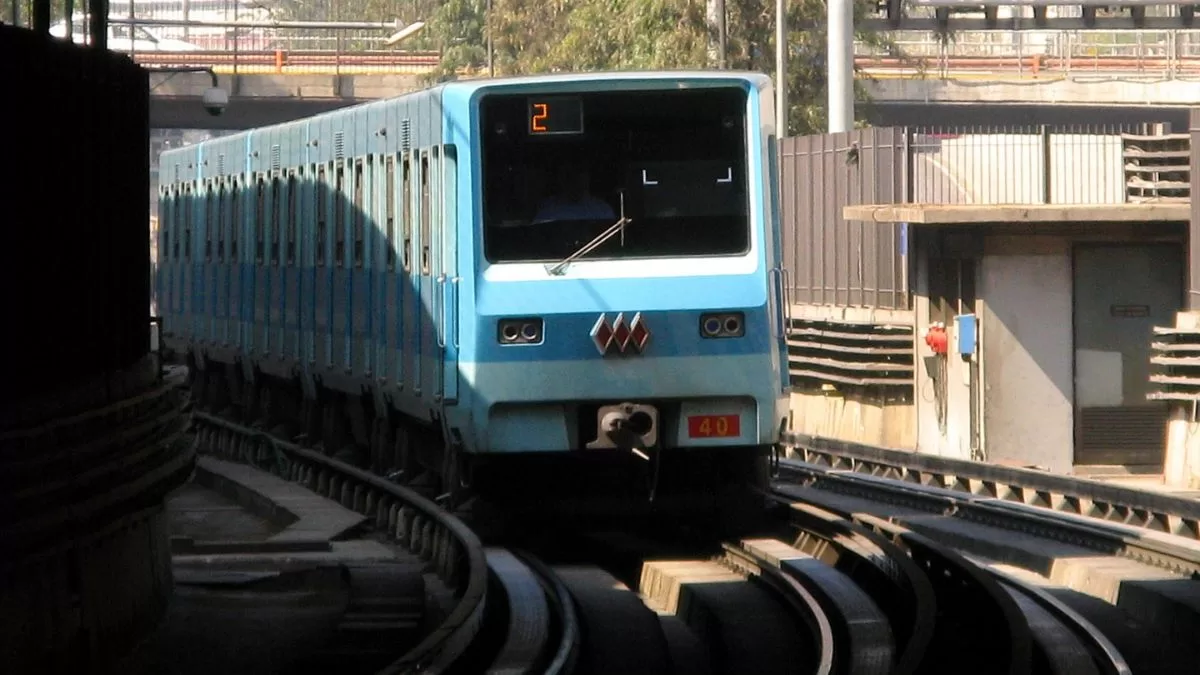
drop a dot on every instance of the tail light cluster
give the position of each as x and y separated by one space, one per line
723 325
526 331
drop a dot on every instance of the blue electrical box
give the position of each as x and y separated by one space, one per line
965 325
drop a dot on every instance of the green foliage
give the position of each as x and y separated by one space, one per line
539 36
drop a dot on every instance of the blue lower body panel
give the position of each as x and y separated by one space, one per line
543 406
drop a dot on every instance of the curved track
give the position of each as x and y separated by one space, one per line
835 588
409 520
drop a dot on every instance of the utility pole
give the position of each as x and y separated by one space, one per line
781 80
840 60
722 26
491 52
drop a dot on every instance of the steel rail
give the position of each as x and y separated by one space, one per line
802 602
1104 654
410 519
879 567
566 653
976 618
1165 554
1072 495
863 640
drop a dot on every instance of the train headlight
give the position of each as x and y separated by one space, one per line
526 331
724 325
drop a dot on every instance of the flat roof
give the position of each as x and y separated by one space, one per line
965 214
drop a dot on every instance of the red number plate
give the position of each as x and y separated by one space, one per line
714 426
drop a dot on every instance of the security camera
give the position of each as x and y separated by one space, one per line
215 99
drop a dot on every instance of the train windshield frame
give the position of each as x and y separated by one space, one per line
558 170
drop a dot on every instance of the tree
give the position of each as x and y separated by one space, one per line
539 36
536 36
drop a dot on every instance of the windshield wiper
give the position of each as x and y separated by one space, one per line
558 268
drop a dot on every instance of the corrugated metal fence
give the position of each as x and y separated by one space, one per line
832 261
860 264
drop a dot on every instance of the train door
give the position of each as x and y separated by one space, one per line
410 301
187 285
446 238
424 322
237 224
388 300
322 316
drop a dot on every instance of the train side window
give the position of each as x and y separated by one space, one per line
358 213
260 214
406 203
389 215
187 224
235 209
222 221
276 221
426 208
291 219
339 218
210 221
322 203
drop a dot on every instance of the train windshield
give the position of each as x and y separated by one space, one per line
559 170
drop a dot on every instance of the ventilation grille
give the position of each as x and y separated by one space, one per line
221 164
405 135
339 145
275 157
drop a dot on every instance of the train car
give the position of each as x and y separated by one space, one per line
534 281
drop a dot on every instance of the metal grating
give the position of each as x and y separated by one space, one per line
221 164
339 145
858 354
1127 435
275 157
405 135
1157 167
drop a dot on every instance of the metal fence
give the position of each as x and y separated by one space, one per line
849 263
1170 53
832 261
1034 165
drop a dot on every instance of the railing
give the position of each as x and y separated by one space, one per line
1047 54
298 62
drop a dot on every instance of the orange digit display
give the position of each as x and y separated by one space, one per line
538 122
714 426
555 115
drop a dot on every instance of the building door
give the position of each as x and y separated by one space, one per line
1121 293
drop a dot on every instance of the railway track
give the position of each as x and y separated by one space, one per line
841 584
1142 517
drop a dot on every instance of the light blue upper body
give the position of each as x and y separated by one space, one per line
402 303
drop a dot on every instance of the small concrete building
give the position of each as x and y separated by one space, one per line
1037 264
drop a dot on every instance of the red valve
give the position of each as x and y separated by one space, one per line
937 339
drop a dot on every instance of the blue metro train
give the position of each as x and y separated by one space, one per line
582 267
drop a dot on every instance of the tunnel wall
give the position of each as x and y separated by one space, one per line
92 435
76 216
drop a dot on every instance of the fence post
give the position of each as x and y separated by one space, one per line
1047 176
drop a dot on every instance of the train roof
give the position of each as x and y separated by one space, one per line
621 75
471 86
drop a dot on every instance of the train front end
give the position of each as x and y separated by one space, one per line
627 292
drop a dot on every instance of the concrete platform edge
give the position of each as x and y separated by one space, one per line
306 515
